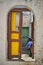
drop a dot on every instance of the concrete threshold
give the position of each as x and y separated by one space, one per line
24 57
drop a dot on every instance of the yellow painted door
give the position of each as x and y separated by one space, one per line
15 44
14 35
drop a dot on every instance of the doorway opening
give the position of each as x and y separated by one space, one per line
20 27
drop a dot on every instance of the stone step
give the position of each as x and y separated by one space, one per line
26 57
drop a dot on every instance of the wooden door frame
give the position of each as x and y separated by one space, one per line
9 28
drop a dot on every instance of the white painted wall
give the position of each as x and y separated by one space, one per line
37 7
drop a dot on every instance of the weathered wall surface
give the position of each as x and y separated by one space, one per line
37 7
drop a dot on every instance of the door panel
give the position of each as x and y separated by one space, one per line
15 35
15 48
13 21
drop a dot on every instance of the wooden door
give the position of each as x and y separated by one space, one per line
14 35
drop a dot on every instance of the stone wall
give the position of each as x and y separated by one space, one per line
37 7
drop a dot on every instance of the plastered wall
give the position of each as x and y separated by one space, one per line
37 7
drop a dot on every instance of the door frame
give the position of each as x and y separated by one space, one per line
9 28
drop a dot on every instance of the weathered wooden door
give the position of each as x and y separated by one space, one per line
14 35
